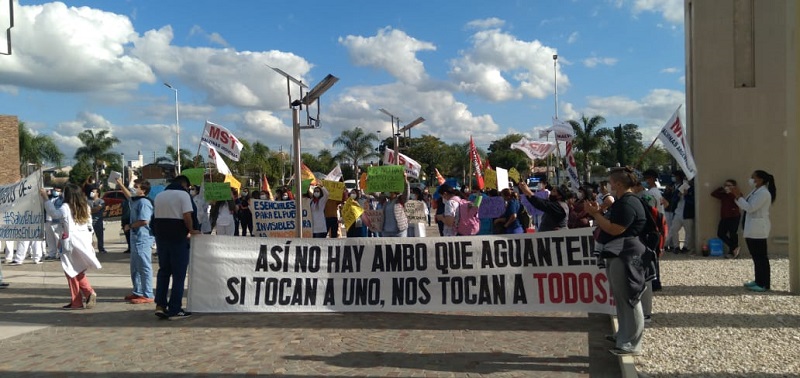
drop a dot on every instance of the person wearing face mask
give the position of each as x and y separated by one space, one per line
141 213
555 209
319 198
203 209
395 222
98 206
244 215
604 197
650 186
623 253
578 217
543 192
729 217
417 230
683 197
358 229
52 227
757 225
332 215
449 208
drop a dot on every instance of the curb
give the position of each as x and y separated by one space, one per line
627 364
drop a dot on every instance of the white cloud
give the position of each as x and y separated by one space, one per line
670 70
594 61
573 37
649 112
76 49
392 50
671 10
486 23
213 37
497 57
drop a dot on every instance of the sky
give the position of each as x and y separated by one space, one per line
471 68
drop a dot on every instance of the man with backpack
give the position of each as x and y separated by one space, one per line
555 208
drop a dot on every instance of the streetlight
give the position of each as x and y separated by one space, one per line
177 126
312 123
400 130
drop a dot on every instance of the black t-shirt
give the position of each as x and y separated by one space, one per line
626 211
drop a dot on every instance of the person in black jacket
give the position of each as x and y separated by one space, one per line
683 199
555 208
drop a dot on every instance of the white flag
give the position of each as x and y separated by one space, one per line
222 139
221 166
563 130
534 149
411 166
335 174
674 138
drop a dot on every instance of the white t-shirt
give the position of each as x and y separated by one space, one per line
450 210
656 194
172 204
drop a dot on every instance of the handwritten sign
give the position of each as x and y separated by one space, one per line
112 179
502 178
415 211
195 175
490 178
217 191
350 212
386 178
375 220
21 206
492 207
276 219
335 190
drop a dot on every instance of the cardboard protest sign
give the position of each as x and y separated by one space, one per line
415 211
490 178
335 190
234 182
276 219
22 209
195 175
385 178
217 191
375 220
112 179
502 178
492 207
351 210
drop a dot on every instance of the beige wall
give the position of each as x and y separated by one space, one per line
9 149
733 130
793 114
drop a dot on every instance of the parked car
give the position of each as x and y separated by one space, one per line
113 200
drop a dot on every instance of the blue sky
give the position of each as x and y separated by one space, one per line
480 68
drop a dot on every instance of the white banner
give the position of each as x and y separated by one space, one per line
563 130
572 168
547 271
22 210
674 138
276 219
502 178
534 149
223 140
412 167
218 162
335 174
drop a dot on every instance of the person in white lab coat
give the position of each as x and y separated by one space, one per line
756 225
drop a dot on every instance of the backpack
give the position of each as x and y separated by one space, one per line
524 217
655 229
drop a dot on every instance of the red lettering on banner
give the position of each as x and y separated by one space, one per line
571 288
676 128
213 132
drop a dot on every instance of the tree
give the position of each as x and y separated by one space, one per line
624 146
172 157
36 149
430 152
96 150
357 146
501 155
589 138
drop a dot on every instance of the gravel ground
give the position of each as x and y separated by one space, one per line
706 324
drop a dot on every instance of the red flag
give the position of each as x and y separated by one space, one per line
439 178
486 164
476 162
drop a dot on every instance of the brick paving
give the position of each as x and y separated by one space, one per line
117 339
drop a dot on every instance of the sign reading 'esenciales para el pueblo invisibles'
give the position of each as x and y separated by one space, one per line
551 271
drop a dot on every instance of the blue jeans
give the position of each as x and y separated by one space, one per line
173 260
141 264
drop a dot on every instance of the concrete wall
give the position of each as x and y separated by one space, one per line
735 129
793 166
9 149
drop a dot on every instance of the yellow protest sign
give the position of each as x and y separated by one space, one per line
350 212
513 174
335 190
490 178
233 181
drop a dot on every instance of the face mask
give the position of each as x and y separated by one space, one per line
751 181
317 194
192 192
580 195
645 185
353 195
285 197
55 194
244 193
413 196
674 179
263 196
93 194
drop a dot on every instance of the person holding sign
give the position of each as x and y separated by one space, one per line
417 229
555 209
319 199
395 222
76 239
622 252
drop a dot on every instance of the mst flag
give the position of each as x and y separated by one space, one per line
674 139
223 140
221 166
475 160
563 130
534 149
335 174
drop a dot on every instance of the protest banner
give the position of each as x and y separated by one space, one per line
492 207
674 138
541 272
22 209
217 191
335 190
411 166
374 219
534 149
502 178
276 219
385 178
490 178
222 140
415 211
351 211
195 175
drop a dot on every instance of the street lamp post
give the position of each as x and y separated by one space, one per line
177 127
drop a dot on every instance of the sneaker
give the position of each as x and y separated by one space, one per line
49 258
91 300
735 253
757 288
750 284
161 313
69 307
37 262
623 352
141 300
131 296
182 314
15 263
103 251
4 285
648 319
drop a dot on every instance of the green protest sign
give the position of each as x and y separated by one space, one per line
217 191
385 178
195 175
304 185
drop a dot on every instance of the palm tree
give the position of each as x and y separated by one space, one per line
356 146
588 139
36 149
172 156
97 149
